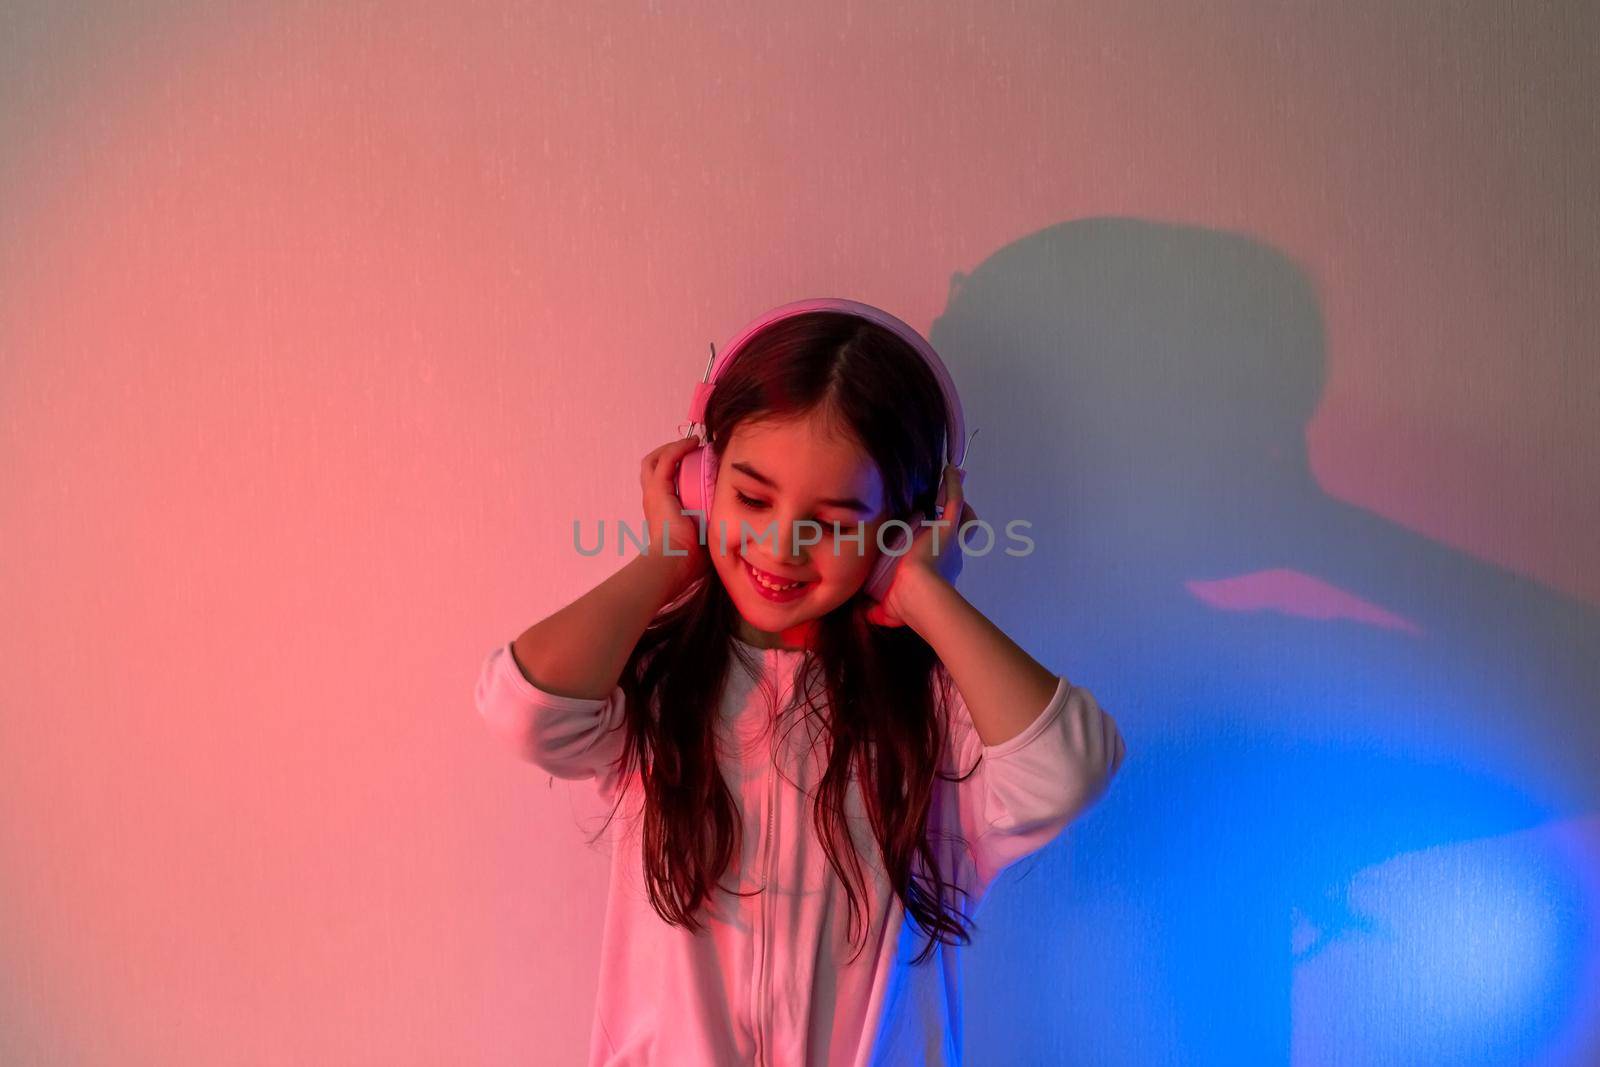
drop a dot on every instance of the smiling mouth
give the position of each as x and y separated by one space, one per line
770 581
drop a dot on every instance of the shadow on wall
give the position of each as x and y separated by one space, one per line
1350 828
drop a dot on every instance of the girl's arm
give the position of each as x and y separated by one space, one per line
581 649
552 695
1004 687
1040 751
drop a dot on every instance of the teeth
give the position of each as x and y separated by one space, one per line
769 585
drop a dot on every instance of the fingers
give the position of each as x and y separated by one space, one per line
951 495
659 463
673 449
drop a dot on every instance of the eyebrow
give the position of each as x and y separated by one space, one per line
849 503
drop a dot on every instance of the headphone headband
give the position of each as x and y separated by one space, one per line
955 426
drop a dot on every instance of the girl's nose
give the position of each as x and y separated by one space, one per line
795 540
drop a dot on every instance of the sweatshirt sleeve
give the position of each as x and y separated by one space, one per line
1025 790
571 737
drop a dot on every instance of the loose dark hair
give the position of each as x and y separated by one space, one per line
880 683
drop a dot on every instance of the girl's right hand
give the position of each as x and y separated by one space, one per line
663 511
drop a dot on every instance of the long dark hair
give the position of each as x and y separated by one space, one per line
880 684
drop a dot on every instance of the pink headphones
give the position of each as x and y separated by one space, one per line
697 471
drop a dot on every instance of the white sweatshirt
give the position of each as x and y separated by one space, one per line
770 980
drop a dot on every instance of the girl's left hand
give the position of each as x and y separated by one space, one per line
921 558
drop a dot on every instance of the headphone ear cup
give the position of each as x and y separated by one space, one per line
695 484
686 482
882 576
689 483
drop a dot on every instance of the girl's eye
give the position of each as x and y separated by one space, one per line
761 505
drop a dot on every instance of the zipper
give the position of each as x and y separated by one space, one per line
764 920
763 935
766 907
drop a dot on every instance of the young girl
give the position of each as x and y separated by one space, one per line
818 788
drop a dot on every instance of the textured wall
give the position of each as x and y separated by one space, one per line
321 323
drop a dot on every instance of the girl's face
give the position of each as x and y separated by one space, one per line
772 476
